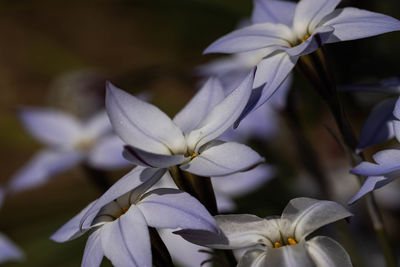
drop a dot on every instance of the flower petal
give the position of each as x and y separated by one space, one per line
372 183
224 203
140 179
42 167
222 158
8 250
93 255
51 127
256 36
222 116
326 252
126 241
253 258
141 124
302 216
172 208
148 159
107 154
205 99
288 256
71 229
396 110
99 124
388 161
309 14
352 23
379 125
275 11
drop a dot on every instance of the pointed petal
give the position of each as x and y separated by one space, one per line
222 158
99 124
141 124
254 258
42 167
51 127
253 37
275 11
352 23
372 183
224 203
396 129
126 241
93 255
140 179
388 161
148 159
303 216
288 256
241 183
206 98
71 229
396 111
8 250
107 154
222 116
379 125
326 252
172 208
309 14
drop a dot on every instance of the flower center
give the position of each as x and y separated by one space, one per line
305 38
290 242
85 144
123 211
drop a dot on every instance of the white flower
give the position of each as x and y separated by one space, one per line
280 241
68 142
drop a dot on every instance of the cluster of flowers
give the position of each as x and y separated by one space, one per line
170 186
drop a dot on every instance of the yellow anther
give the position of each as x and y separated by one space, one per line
125 209
291 241
118 215
277 245
193 156
305 38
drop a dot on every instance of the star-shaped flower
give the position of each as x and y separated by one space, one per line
280 241
299 30
68 142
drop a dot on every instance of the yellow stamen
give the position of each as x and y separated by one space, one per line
277 245
305 38
193 156
125 209
291 241
118 215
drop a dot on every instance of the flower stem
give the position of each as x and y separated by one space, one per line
159 251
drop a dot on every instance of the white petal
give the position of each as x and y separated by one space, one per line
42 167
8 250
172 208
142 125
71 229
288 256
241 183
206 98
222 158
51 127
303 216
352 23
254 258
256 36
222 116
98 125
148 159
107 154
326 252
275 11
126 241
93 254
140 179
309 14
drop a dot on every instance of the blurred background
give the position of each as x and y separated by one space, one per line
60 53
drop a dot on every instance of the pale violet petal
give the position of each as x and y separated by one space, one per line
222 158
182 252
256 36
140 179
98 125
241 183
206 98
388 157
396 128
253 258
303 216
49 126
126 241
352 23
141 124
172 208
148 159
224 202
309 14
71 229
326 252
378 127
396 111
42 167
222 116
288 256
372 183
107 154
276 11
93 254
8 250
388 161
